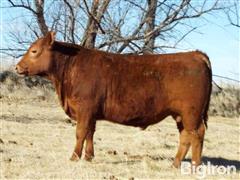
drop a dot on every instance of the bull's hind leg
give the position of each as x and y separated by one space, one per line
89 149
191 133
197 144
184 144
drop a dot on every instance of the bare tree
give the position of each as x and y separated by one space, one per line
122 26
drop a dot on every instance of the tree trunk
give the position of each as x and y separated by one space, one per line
94 20
40 16
150 25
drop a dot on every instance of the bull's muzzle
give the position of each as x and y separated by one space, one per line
21 70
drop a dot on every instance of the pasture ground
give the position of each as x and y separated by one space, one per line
37 141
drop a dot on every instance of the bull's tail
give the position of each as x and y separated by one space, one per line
205 113
208 64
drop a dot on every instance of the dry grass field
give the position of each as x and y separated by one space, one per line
37 140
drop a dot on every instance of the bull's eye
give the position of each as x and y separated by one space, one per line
34 51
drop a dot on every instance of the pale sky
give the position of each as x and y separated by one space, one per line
221 43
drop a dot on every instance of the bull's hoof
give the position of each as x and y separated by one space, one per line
176 164
88 157
74 157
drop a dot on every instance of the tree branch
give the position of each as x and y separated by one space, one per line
28 7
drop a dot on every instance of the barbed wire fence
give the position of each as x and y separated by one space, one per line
226 78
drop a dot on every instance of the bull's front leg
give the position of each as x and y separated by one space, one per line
89 149
83 124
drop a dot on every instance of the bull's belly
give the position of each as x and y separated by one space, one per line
141 121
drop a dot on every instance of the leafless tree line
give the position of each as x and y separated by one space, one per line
122 26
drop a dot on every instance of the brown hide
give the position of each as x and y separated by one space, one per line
136 90
129 89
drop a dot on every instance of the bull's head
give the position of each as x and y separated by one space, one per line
37 60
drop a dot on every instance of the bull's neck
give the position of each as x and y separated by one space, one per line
62 57
63 54
59 68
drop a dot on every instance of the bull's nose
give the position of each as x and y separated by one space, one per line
19 70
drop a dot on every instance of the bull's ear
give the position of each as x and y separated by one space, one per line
50 37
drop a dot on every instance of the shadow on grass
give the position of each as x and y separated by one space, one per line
215 161
133 159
